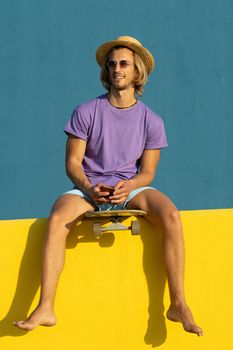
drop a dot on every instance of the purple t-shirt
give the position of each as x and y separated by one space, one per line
116 138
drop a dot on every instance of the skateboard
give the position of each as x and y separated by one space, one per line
115 218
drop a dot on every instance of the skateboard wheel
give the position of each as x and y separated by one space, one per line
97 229
135 228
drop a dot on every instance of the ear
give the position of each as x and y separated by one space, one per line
136 74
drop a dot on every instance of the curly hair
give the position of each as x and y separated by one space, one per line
140 80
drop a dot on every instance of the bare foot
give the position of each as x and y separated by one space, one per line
39 317
183 314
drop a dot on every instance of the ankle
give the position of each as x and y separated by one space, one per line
178 303
45 305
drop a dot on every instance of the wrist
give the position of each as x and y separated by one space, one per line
132 184
88 190
85 187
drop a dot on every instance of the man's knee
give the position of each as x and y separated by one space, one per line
174 216
172 219
57 219
68 210
164 213
61 216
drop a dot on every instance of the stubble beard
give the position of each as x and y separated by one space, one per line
119 87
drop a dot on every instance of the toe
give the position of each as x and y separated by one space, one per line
23 325
192 328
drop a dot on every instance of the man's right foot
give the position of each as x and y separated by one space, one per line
183 314
39 317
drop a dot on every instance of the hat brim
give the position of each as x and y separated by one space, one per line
142 52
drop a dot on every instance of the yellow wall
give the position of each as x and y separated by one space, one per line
112 293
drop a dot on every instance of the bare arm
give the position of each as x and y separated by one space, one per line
149 163
75 151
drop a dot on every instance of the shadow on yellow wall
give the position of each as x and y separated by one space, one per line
28 280
112 293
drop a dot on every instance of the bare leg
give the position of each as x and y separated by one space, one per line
67 210
160 210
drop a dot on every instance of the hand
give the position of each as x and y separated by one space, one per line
97 195
121 192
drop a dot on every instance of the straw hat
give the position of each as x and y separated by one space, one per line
130 43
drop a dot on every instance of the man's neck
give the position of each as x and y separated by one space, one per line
122 99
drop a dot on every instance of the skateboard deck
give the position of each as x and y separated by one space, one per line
115 217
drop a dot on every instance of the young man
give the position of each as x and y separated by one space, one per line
116 123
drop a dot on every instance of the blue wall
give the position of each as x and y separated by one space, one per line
47 67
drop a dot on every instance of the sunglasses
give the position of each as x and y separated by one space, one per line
123 64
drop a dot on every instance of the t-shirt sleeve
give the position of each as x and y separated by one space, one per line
78 125
156 135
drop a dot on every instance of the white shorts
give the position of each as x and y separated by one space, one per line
109 206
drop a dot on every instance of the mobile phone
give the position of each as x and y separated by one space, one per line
107 189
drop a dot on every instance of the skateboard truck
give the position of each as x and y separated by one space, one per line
115 217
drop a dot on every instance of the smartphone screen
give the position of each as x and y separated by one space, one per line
107 189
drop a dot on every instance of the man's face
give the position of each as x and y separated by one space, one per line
121 69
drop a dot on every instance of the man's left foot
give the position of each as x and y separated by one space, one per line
183 314
39 317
